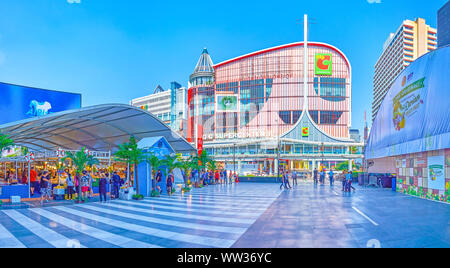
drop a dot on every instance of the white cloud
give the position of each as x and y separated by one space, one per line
74 1
374 1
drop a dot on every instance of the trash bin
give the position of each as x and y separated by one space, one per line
394 184
386 181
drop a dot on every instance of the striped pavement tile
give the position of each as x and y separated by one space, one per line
212 197
94 232
8 240
204 219
209 205
201 240
147 208
112 210
55 239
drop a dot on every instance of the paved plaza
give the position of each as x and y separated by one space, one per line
246 215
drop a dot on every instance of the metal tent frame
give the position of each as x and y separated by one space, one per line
98 128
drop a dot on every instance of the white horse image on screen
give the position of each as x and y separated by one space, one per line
39 108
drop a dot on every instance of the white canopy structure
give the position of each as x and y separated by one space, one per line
98 128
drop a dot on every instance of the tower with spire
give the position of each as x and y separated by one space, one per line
204 71
200 93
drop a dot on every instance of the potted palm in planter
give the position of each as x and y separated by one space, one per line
130 154
155 163
138 197
172 162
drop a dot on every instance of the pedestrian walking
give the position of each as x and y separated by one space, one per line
169 183
322 176
91 183
102 183
70 185
316 174
46 187
294 178
288 184
115 184
159 181
331 176
344 181
33 183
349 182
84 182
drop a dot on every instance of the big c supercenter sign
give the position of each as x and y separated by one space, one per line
323 64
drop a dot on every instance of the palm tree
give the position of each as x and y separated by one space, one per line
130 153
171 163
212 165
5 142
187 166
80 160
204 159
155 163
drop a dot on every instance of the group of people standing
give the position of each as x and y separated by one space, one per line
286 176
45 183
347 182
217 177
320 177
170 180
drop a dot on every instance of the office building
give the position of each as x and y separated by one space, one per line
411 40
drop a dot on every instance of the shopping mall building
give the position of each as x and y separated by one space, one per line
243 109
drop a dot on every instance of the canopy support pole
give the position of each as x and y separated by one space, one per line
29 179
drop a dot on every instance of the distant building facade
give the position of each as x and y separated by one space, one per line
444 25
355 135
168 105
412 40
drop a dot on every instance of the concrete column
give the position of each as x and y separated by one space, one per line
350 165
239 167
313 167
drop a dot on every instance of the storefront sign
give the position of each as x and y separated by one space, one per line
227 103
305 132
436 172
324 63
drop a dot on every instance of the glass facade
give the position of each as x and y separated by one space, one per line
269 88
443 34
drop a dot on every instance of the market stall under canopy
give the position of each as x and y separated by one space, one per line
98 128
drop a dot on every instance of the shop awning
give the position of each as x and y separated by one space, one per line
99 128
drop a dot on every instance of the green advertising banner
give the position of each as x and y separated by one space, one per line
324 64
227 103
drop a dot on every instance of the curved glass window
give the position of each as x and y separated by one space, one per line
331 89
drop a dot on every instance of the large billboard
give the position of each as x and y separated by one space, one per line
414 116
19 102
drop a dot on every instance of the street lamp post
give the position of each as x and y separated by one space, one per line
278 151
234 158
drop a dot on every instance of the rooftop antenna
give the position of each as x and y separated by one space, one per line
306 22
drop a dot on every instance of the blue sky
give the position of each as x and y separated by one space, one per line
114 50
